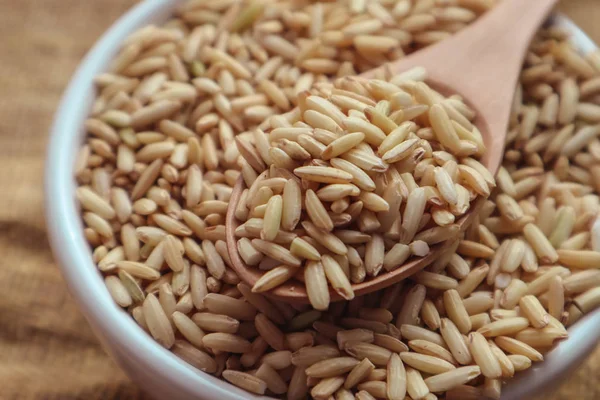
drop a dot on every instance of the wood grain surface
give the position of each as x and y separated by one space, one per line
47 350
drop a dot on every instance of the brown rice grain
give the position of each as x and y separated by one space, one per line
316 285
531 307
483 356
396 378
216 322
541 245
364 395
588 300
504 327
157 322
448 380
118 291
472 280
455 342
276 252
331 367
245 381
226 342
541 338
428 364
579 282
431 349
520 363
541 283
353 336
359 373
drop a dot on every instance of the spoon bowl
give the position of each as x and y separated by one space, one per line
294 291
482 64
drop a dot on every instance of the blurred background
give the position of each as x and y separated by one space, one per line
47 350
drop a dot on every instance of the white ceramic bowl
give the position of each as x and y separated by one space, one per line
156 370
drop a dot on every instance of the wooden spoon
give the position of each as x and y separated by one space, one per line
482 63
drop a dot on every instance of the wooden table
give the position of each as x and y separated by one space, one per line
47 350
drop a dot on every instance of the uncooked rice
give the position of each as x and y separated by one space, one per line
269 91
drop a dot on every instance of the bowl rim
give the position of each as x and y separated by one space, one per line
116 328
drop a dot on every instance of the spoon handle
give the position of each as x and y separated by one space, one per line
493 51
505 32
500 39
483 62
